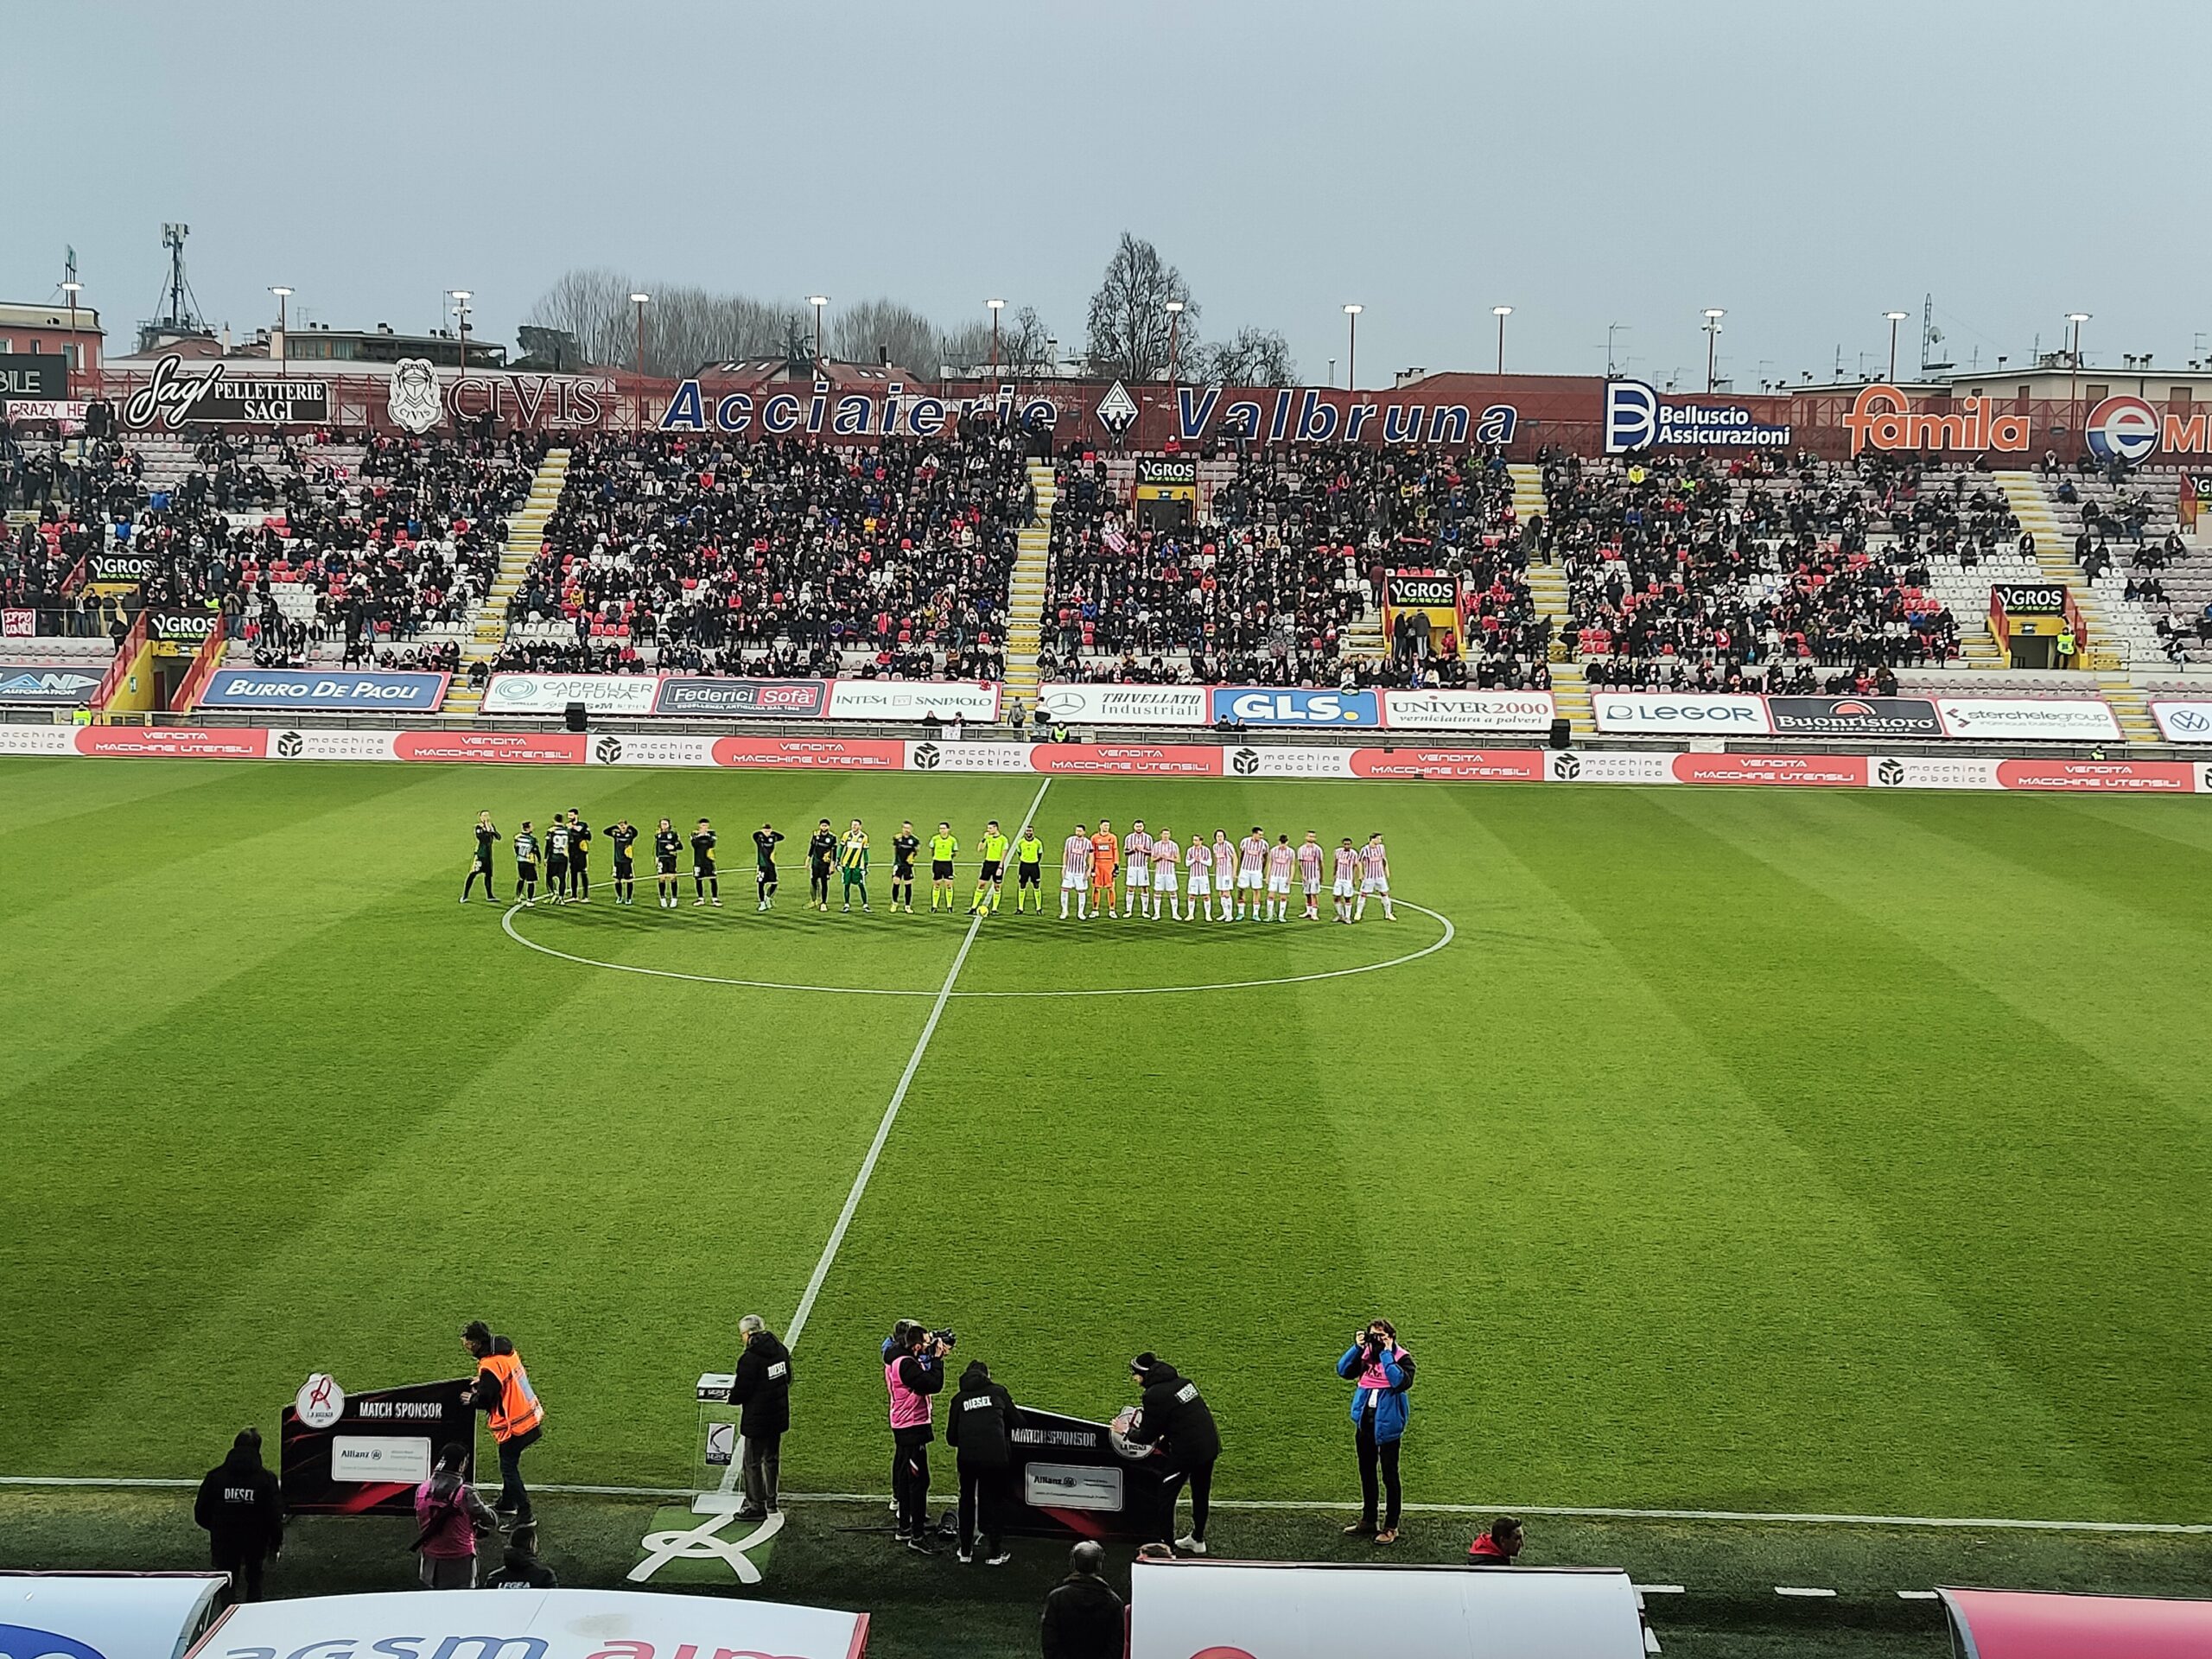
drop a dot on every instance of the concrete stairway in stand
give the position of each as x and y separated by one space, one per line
526 541
2024 494
2131 706
1548 587
1024 593
1527 491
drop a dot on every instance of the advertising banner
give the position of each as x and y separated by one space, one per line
651 749
976 702
1420 590
1679 714
510 749
1638 417
2100 777
713 698
1127 759
520 1624
215 396
1259 1609
1125 705
552 694
300 688
37 740
120 569
2183 720
68 412
2030 598
1823 771
237 743
1455 765
49 685
2075 719
1933 772
1293 706
107 1615
327 743
1609 766
1853 717
168 627
1253 760
812 754
933 755
1468 711
41 376
359 1453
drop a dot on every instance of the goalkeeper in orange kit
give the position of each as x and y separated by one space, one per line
1105 868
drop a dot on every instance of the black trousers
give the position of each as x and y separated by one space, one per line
910 1479
983 1512
760 1471
514 1498
242 1562
1374 1454
1199 1476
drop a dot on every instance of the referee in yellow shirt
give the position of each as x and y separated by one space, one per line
942 848
994 871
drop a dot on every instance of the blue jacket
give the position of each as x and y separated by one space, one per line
1391 1406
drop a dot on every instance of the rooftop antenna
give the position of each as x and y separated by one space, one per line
1930 338
180 318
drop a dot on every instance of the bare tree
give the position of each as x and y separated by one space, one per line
1129 319
1025 349
967 347
683 327
864 332
1256 357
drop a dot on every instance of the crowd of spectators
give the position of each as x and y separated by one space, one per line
1748 573
1284 558
780 556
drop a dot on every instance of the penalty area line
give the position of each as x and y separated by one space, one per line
1992 1524
891 1113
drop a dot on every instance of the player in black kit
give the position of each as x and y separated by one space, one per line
668 847
704 879
820 858
904 846
487 837
624 836
579 857
556 860
764 859
526 865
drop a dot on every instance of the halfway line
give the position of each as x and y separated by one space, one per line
891 1114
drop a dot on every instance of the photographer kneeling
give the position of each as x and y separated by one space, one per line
913 1377
1382 1372
979 1427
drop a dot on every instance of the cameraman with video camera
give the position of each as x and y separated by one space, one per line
913 1376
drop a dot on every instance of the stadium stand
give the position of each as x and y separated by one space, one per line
1278 580
776 557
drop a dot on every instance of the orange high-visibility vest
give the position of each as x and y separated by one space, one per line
519 1411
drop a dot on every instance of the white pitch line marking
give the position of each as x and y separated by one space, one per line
891 1114
1916 1595
1802 1590
1450 932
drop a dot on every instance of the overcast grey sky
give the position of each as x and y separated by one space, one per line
1807 164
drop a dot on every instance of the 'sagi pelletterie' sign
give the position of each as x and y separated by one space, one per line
1304 415
172 399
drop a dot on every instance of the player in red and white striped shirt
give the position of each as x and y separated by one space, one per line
1165 855
1136 853
1252 855
1075 871
1198 860
1224 874
1280 858
1375 877
1344 888
1309 874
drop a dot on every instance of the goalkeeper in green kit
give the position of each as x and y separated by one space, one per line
852 864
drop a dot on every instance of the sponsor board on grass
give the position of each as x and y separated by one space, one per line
2100 777
1679 714
552 694
1127 759
239 743
707 697
1609 766
510 748
37 740
973 701
317 743
1824 771
288 688
1932 771
51 685
1285 760
2183 719
2081 719
1853 717
1125 705
931 754
812 754
1464 765
1468 711
651 749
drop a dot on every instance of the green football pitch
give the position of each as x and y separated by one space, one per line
1784 1152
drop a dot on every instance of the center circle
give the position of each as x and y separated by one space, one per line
1450 933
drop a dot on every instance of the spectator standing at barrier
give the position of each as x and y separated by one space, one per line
979 1427
1498 1546
448 1514
913 1376
503 1392
1381 1373
1083 1619
1174 1416
243 1511
762 1394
